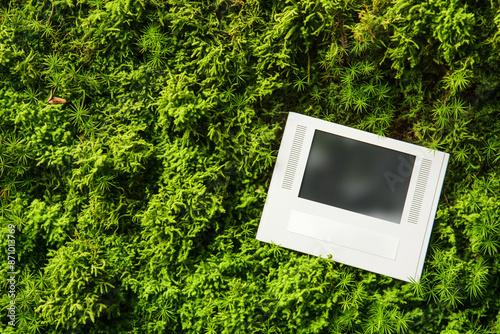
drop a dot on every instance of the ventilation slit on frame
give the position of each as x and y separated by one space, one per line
293 159
418 198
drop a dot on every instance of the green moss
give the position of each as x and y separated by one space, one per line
137 202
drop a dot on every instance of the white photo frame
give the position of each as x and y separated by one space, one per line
336 191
